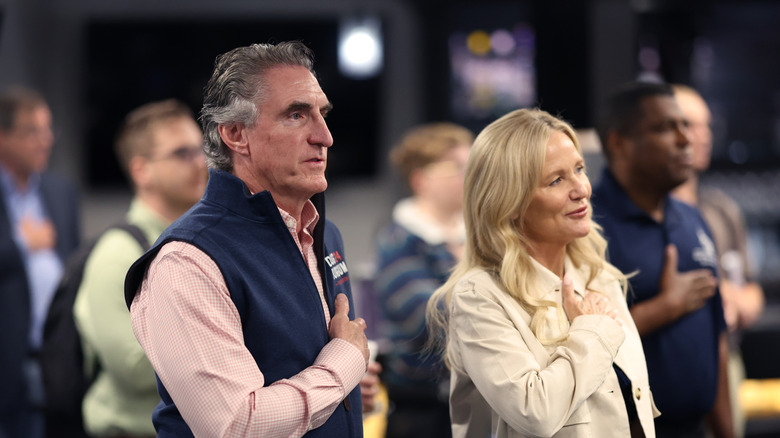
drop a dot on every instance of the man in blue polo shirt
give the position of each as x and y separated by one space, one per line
673 296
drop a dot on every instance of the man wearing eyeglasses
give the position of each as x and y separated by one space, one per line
160 148
39 228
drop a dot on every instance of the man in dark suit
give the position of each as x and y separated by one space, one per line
39 227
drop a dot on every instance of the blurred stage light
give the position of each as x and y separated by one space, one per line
503 42
478 42
360 47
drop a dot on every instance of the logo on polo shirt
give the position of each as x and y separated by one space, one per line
338 267
705 254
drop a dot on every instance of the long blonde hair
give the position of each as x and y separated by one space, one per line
504 169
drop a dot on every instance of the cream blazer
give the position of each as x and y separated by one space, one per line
505 383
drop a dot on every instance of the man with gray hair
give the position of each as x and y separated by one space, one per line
243 305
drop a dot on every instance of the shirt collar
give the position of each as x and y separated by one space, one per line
621 206
408 215
611 194
549 282
141 213
9 183
309 218
672 212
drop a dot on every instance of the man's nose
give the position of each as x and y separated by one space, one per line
320 134
684 137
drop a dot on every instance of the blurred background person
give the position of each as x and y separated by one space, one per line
415 255
537 333
39 228
160 148
743 297
674 299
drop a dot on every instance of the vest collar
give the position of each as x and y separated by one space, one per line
223 189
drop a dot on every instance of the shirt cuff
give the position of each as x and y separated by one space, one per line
607 329
345 360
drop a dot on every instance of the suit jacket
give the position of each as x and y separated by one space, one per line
505 383
61 203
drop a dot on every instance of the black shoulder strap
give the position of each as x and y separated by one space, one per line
134 231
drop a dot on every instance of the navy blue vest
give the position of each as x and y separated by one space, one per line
270 284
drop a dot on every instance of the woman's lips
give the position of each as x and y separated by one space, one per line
580 212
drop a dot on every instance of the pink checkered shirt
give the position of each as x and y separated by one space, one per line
191 331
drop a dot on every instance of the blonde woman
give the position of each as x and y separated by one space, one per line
533 322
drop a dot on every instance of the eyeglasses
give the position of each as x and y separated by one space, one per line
29 131
184 154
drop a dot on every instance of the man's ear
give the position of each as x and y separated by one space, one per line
617 145
235 138
417 181
4 136
139 171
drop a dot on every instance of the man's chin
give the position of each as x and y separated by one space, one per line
39 168
677 182
319 184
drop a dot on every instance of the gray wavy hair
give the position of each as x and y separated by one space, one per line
236 88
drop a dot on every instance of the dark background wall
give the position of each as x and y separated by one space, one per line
95 60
